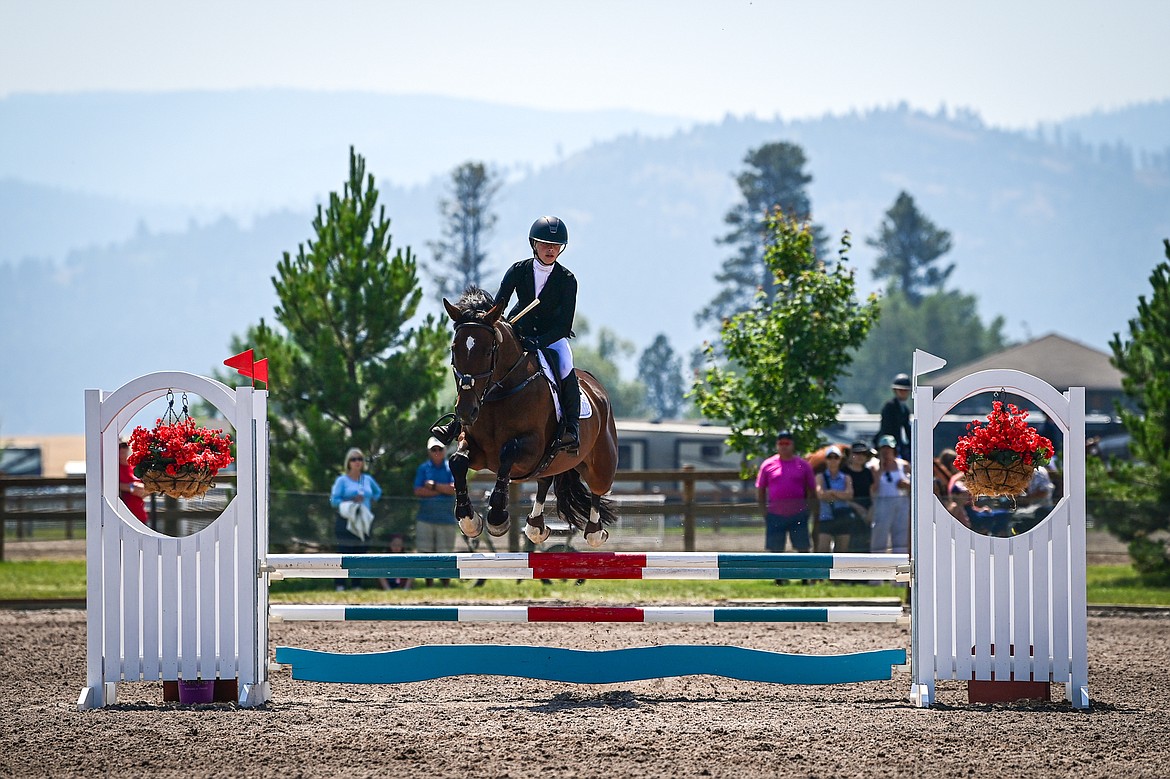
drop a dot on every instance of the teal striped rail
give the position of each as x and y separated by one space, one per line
594 565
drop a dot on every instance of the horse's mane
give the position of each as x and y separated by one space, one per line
474 303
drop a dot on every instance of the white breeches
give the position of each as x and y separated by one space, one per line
564 356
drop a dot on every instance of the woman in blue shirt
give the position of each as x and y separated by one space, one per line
353 495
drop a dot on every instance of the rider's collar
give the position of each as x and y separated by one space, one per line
544 264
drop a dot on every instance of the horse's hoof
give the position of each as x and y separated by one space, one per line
537 534
471 526
597 539
498 530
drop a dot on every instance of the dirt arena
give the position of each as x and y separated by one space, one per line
501 727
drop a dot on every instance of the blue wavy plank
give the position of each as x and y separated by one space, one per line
421 663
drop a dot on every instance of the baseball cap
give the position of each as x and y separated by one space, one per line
861 447
785 434
832 451
887 440
433 442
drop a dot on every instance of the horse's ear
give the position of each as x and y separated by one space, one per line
452 312
494 313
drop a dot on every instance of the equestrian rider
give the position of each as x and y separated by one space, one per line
549 325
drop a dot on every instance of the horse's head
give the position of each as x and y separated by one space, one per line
475 349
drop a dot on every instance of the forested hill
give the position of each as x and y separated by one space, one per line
1055 229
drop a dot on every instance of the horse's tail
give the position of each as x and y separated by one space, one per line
574 500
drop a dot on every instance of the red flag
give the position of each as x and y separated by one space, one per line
260 370
243 363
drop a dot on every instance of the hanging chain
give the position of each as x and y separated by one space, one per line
169 417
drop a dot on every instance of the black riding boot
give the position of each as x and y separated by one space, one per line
448 432
570 395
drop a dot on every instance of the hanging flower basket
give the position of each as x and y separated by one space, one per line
177 457
1000 457
992 479
185 484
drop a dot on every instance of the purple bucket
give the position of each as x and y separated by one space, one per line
197 691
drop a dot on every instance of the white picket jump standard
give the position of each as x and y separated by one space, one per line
175 608
988 608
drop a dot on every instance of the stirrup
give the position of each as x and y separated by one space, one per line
568 443
444 430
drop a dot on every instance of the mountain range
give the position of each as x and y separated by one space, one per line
138 232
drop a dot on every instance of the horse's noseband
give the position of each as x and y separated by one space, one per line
466 381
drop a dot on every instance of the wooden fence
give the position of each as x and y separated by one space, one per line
28 502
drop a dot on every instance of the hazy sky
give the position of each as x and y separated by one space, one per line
1015 61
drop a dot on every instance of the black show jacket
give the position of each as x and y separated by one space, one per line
550 321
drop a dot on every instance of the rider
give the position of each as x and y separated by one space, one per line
547 326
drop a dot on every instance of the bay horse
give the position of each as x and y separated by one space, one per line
506 409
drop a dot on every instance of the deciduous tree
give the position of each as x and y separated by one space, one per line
785 354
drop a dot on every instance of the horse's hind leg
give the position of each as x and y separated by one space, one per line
595 534
470 522
535 528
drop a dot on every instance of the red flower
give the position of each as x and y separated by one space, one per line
179 447
1005 439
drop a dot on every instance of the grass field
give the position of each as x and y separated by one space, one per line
44 579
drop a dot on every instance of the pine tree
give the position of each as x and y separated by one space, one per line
784 355
468 220
909 245
1142 487
774 178
660 371
345 367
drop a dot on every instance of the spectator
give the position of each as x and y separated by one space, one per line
896 418
838 515
786 489
131 490
891 501
860 468
353 495
434 486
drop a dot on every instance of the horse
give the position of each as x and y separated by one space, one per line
505 407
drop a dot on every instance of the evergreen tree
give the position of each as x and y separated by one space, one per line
1141 517
660 371
345 367
774 178
943 323
909 245
785 354
468 220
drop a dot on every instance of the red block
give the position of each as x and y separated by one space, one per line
593 565
585 614
1007 692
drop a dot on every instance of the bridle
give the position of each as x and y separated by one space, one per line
466 381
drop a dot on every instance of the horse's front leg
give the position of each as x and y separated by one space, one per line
535 528
470 522
497 518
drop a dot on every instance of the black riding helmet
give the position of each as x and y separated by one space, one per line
901 381
548 229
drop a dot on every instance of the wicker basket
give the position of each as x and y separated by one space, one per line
987 478
192 484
